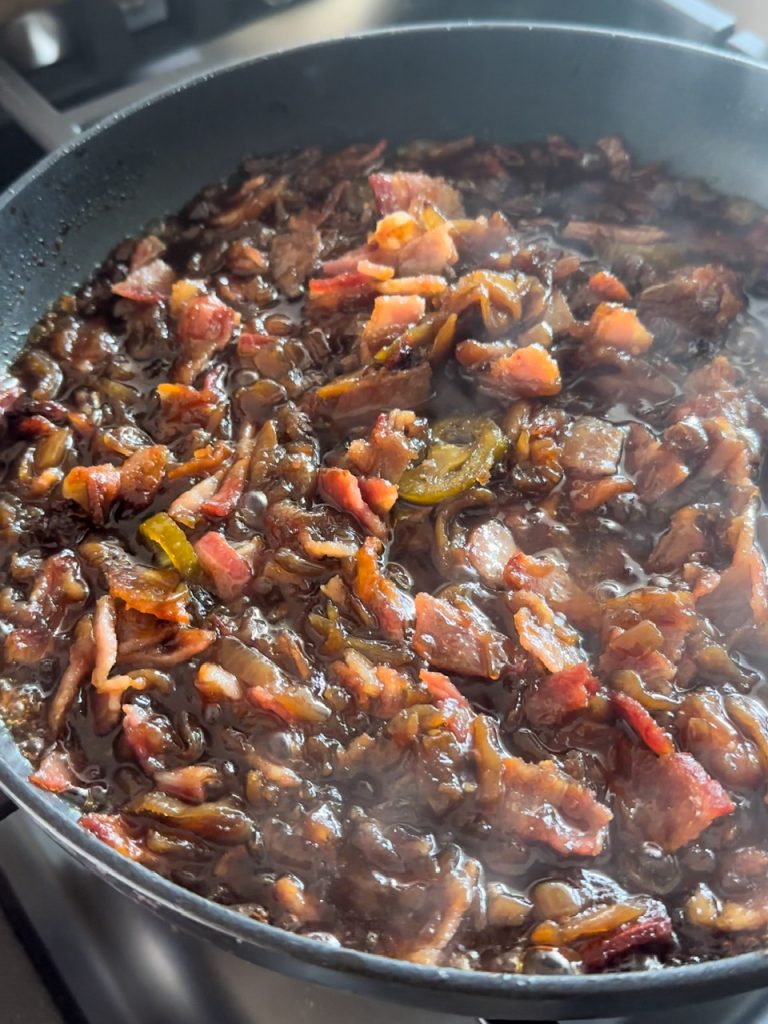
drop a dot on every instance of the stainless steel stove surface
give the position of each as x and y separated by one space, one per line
72 949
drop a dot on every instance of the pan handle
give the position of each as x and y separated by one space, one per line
24 104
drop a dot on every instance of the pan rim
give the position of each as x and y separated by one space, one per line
57 817
237 64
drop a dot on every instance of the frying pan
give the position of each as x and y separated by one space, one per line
705 112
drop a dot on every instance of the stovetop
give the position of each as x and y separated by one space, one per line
72 949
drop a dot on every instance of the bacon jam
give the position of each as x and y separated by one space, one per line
382 554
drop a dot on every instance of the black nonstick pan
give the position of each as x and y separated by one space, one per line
704 112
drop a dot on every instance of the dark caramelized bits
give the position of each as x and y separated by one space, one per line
383 555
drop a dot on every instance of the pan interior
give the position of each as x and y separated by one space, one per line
501 82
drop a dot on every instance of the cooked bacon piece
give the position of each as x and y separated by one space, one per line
184 405
643 723
226 499
227 568
394 442
379 494
671 800
671 611
544 634
556 696
189 783
659 468
741 595
700 578
204 461
378 689
82 659
94 488
528 372
608 287
154 591
637 649
204 326
458 639
105 639
706 730
348 288
55 772
141 475
343 489
157 592
187 508
413 191
290 708
250 343
544 576
615 327
426 285
350 261
588 495
391 315
114 830
441 688
489 549
216 684
542 803
378 271
732 452
293 254
396 690
592 447
654 928
358 675
453 705
430 253
147 282
393 608
457 713
36 427
682 540
701 300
